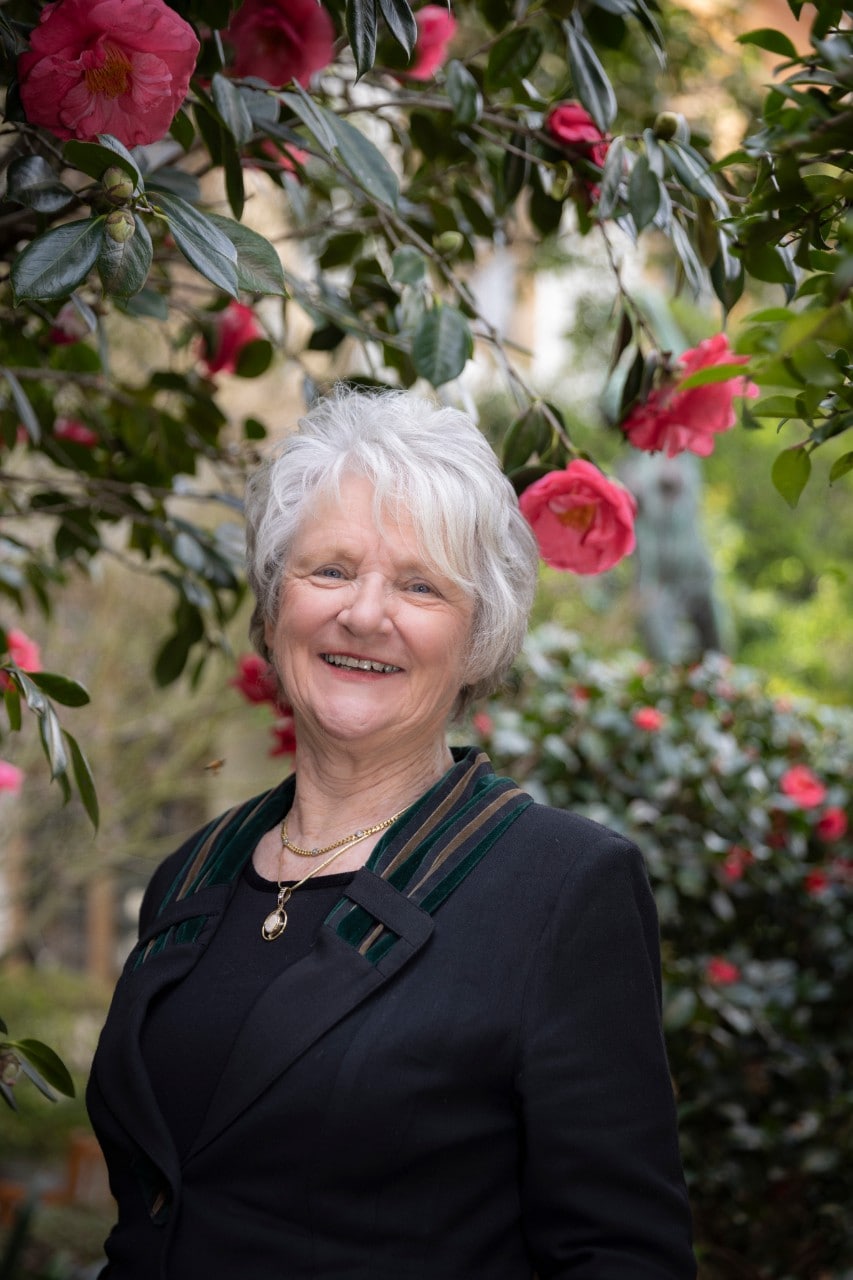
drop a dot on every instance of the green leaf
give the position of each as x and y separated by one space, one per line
171 659
361 20
770 39
464 92
26 412
94 158
365 162
513 57
85 781
182 130
442 345
201 242
232 165
47 1063
12 699
528 435
686 164
54 264
32 182
259 268
790 473
60 688
767 262
840 467
124 268
401 23
776 407
50 731
611 178
254 358
233 111
716 373
312 116
644 193
588 76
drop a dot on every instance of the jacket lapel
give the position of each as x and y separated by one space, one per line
310 997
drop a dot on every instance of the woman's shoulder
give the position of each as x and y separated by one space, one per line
565 843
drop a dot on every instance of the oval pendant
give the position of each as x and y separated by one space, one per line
274 925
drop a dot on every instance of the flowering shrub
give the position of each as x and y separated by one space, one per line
229 331
582 520
257 682
436 28
281 40
107 66
75 432
674 419
756 919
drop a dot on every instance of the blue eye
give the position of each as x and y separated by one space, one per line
422 588
330 571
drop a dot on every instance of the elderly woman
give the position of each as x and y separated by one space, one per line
391 1020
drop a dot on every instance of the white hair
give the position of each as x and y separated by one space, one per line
429 463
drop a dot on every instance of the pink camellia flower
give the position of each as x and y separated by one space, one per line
232 329
107 66
75 432
675 421
572 126
832 824
11 777
721 972
582 521
284 738
255 679
281 40
436 28
802 786
648 718
23 651
483 723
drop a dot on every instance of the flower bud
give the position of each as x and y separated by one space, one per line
120 226
118 186
671 124
449 242
10 1067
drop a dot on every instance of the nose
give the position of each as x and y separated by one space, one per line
366 608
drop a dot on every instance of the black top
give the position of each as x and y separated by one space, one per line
191 1026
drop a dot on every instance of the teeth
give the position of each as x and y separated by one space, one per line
358 664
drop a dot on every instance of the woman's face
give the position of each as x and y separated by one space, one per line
370 643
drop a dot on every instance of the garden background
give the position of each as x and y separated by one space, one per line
552 213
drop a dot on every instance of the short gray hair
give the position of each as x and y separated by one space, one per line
428 462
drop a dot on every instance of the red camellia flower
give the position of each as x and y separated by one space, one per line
284 738
815 882
648 718
832 824
802 786
232 329
582 521
721 972
483 723
281 40
23 651
436 28
11 777
572 126
736 861
68 326
107 66
76 432
255 679
675 421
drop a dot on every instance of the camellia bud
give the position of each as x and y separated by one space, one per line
449 242
671 124
118 186
120 226
10 1067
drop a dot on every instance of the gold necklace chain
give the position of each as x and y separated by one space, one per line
275 923
361 834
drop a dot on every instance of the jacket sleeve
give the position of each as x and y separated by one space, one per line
603 1195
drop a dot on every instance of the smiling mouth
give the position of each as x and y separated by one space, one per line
358 664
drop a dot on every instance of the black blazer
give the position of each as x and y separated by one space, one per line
490 1101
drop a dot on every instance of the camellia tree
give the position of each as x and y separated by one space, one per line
403 144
